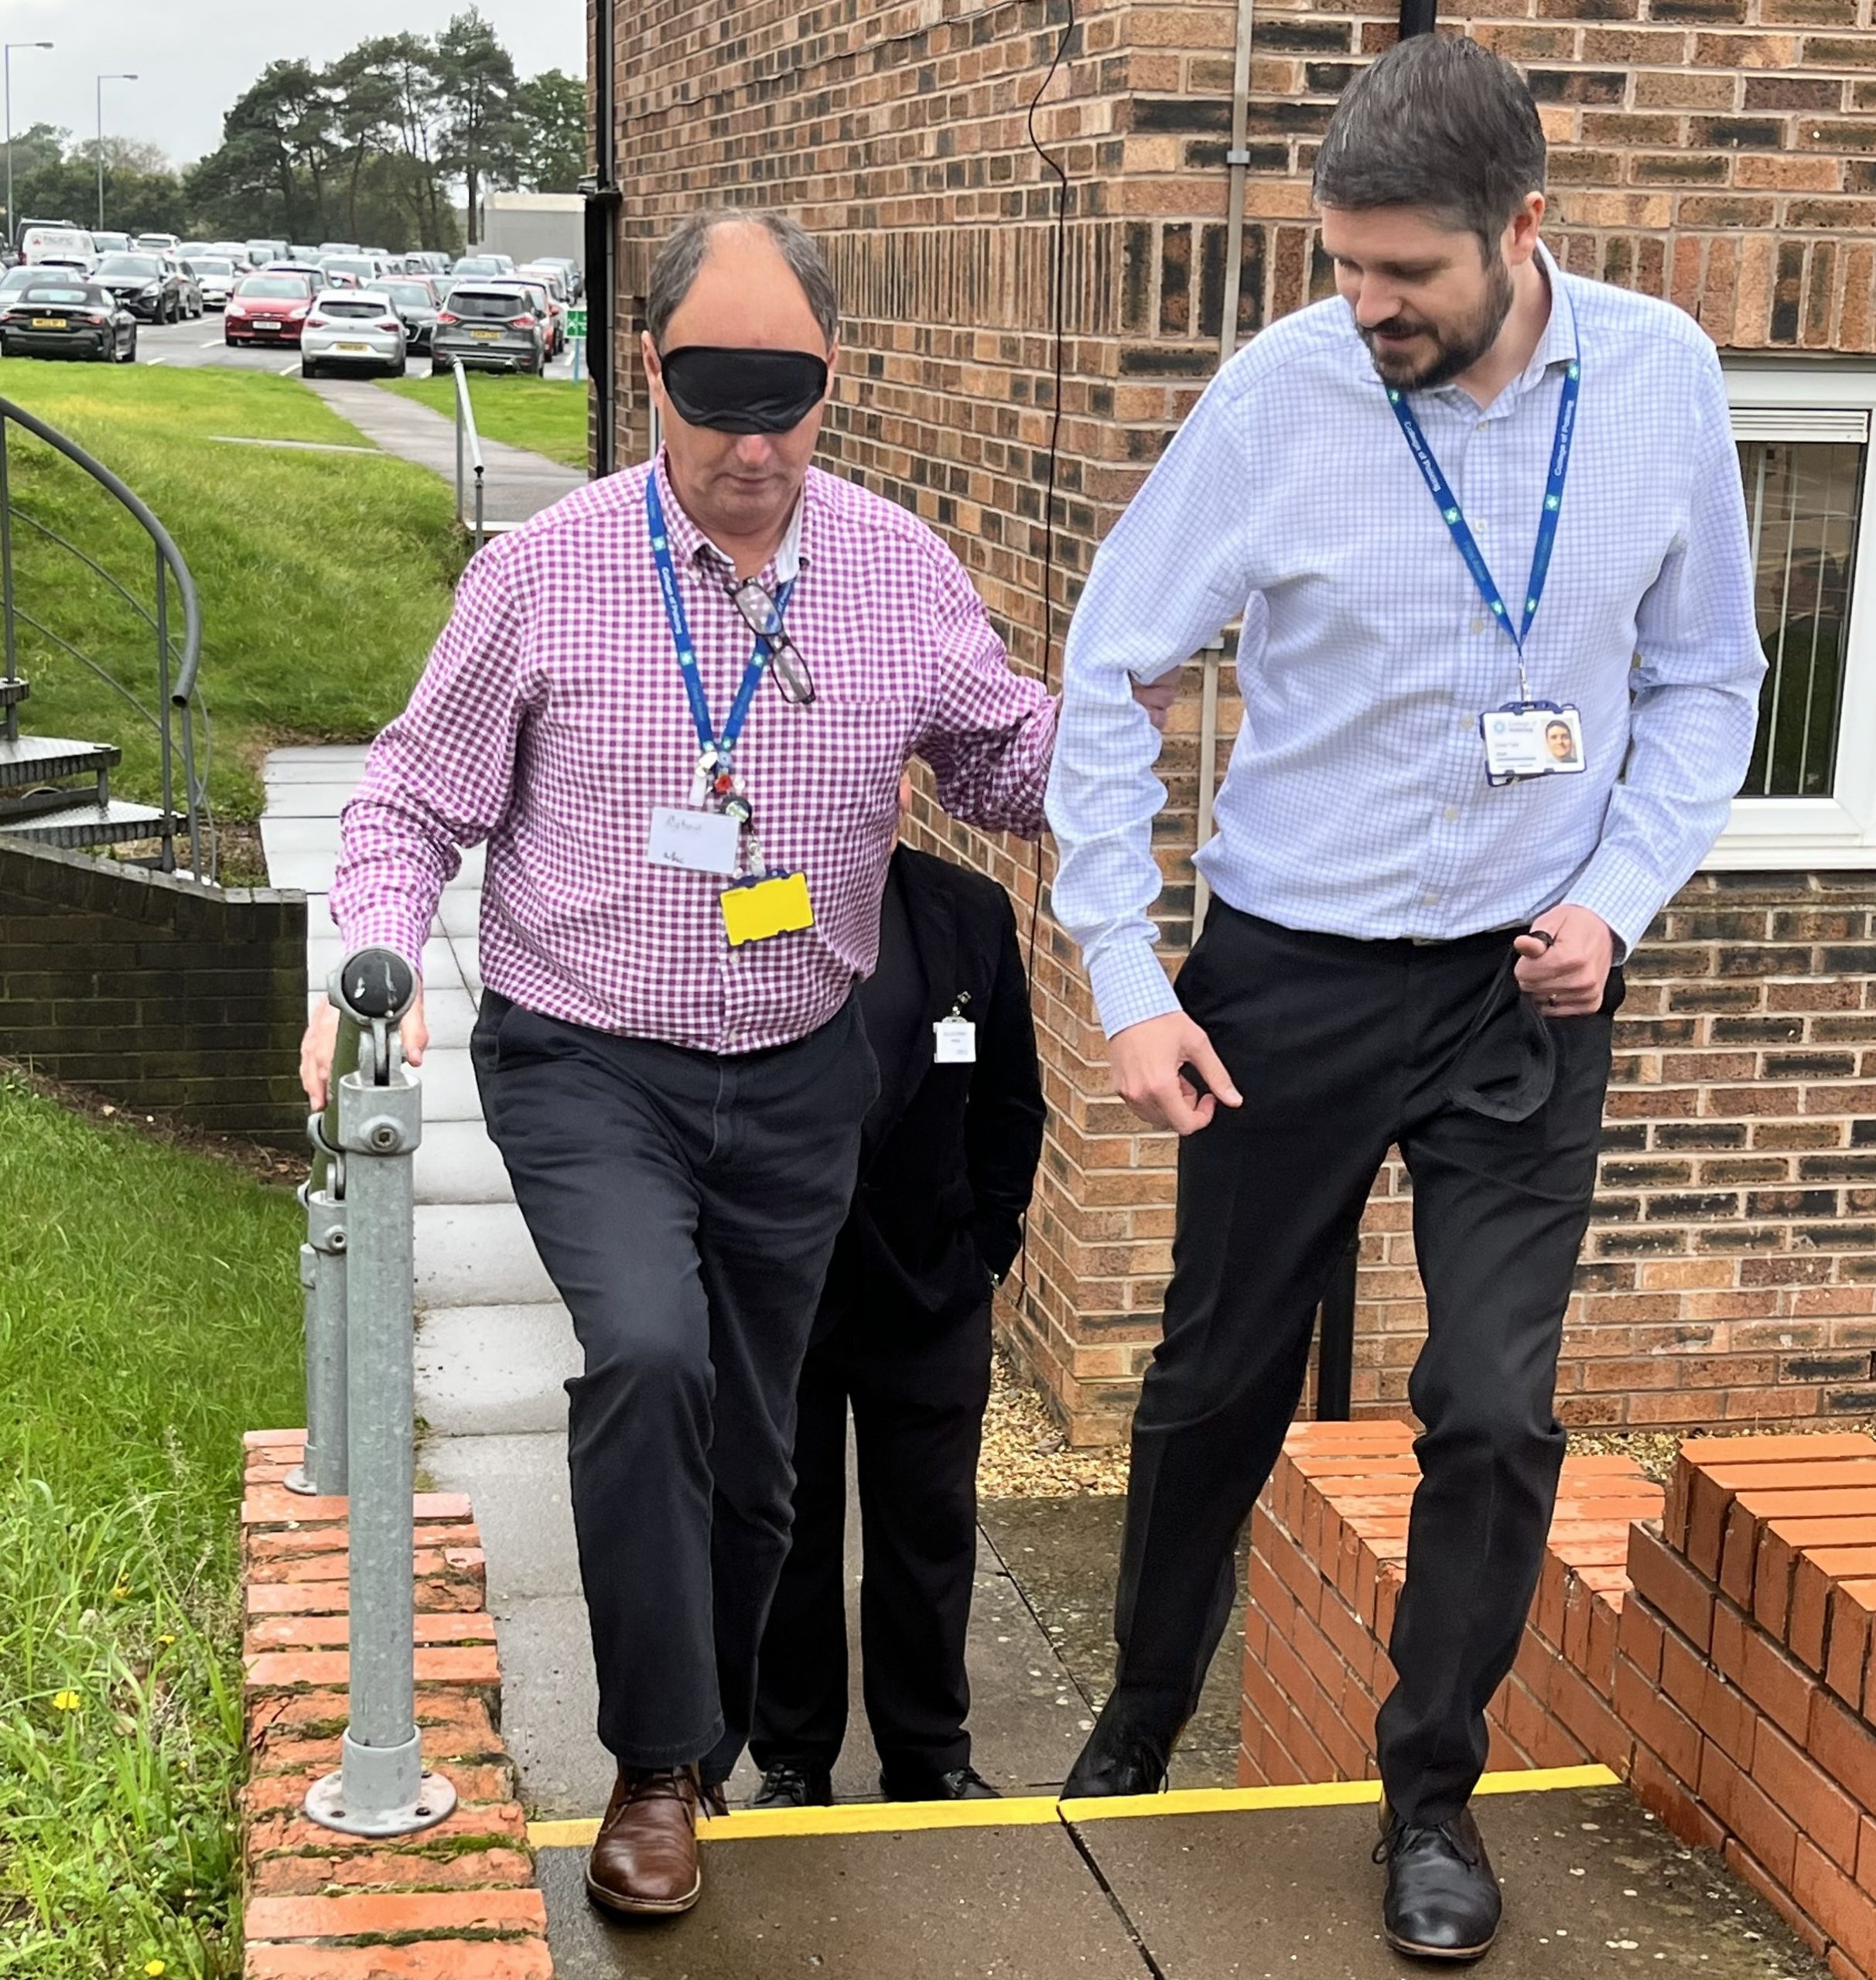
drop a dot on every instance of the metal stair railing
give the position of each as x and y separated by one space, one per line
360 1403
466 436
179 702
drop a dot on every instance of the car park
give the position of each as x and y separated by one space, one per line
51 317
188 286
416 303
217 274
147 285
267 307
490 326
353 330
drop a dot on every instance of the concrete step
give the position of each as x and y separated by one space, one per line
478 1255
457 1163
495 1370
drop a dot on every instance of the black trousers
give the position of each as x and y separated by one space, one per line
1342 1048
918 1395
686 1206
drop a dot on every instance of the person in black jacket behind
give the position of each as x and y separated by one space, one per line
948 1159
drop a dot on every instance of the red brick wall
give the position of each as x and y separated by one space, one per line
1695 154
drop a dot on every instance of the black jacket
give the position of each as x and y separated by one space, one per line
949 1152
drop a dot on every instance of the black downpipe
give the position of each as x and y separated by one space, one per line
1418 17
601 188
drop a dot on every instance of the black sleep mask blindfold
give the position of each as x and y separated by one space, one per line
744 391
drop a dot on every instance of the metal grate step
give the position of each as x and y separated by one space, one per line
33 759
80 825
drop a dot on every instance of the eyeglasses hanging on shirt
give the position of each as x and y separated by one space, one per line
762 614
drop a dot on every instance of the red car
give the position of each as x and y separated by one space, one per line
267 308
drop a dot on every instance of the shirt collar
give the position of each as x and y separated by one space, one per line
1558 344
688 542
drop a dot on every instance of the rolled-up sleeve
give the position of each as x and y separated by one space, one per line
440 776
991 732
1698 666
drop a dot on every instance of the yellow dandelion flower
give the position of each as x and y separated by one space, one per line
155 1968
65 1701
165 1640
120 1592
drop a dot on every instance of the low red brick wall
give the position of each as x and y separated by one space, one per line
456 1902
1715 1647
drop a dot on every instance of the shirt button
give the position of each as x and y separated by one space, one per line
1478 624
1479 426
1430 900
1450 813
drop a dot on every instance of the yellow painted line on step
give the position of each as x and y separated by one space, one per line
1033 1811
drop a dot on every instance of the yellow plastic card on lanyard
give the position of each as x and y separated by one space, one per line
756 909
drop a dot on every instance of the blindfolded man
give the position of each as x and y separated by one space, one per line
1449 812
677 706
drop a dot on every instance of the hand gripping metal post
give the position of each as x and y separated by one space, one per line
381 1788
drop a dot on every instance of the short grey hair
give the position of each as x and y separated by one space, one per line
678 261
1440 124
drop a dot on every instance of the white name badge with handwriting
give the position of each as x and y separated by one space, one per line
697 842
956 1041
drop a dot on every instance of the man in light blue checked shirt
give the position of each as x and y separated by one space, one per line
1451 811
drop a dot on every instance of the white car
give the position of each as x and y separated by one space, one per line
352 329
216 275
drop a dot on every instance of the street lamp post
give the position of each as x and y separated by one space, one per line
6 65
122 76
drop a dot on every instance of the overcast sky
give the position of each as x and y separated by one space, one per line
194 57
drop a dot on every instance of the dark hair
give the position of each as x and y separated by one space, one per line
682 255
1438 123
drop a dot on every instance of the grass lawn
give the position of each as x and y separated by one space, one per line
150 1313
323 578
548 415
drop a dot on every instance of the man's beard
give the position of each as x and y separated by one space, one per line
1456 347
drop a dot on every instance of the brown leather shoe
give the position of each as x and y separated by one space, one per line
643 1863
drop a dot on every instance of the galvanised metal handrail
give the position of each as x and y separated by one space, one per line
465 431
177 701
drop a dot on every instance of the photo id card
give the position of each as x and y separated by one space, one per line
1531 739
697 842
956 1041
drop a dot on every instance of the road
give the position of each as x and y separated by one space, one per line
186 345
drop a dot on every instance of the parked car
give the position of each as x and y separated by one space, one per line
16 278
156 244
415 302
189 285
481 265
357 270
576 275
217 275
191 251
49 317
353 329
491 326
260 251
552 311
297 250
339 247
110 243
148 285
297 264
268 307
72 245
424 261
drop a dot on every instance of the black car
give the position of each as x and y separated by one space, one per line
416 304
148 285
55 318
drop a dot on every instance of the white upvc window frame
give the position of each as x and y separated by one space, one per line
1770 401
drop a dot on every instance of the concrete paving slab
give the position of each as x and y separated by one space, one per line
310 872
550 1707
450 1014
460 917
478 1255
309 799
316 760
519 1484
1015 1904
467 951
488 1370
457 1163
448 1083
299 834
1593 1889
1065 1554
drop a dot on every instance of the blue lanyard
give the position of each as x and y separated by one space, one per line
718 749
1454 517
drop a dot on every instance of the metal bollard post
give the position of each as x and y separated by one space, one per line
322 1272
381 1788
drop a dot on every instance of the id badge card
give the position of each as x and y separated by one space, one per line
694 841
956 1041
755 910
1525 739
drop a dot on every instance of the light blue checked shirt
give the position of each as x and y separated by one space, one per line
1356 802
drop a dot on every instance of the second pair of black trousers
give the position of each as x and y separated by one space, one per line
918 1394
1341 1049
685 1205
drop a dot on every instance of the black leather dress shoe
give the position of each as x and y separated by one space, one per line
1128 1752
1443 1901
787 1786
958 1784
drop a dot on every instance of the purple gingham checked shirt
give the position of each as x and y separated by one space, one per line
551 719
